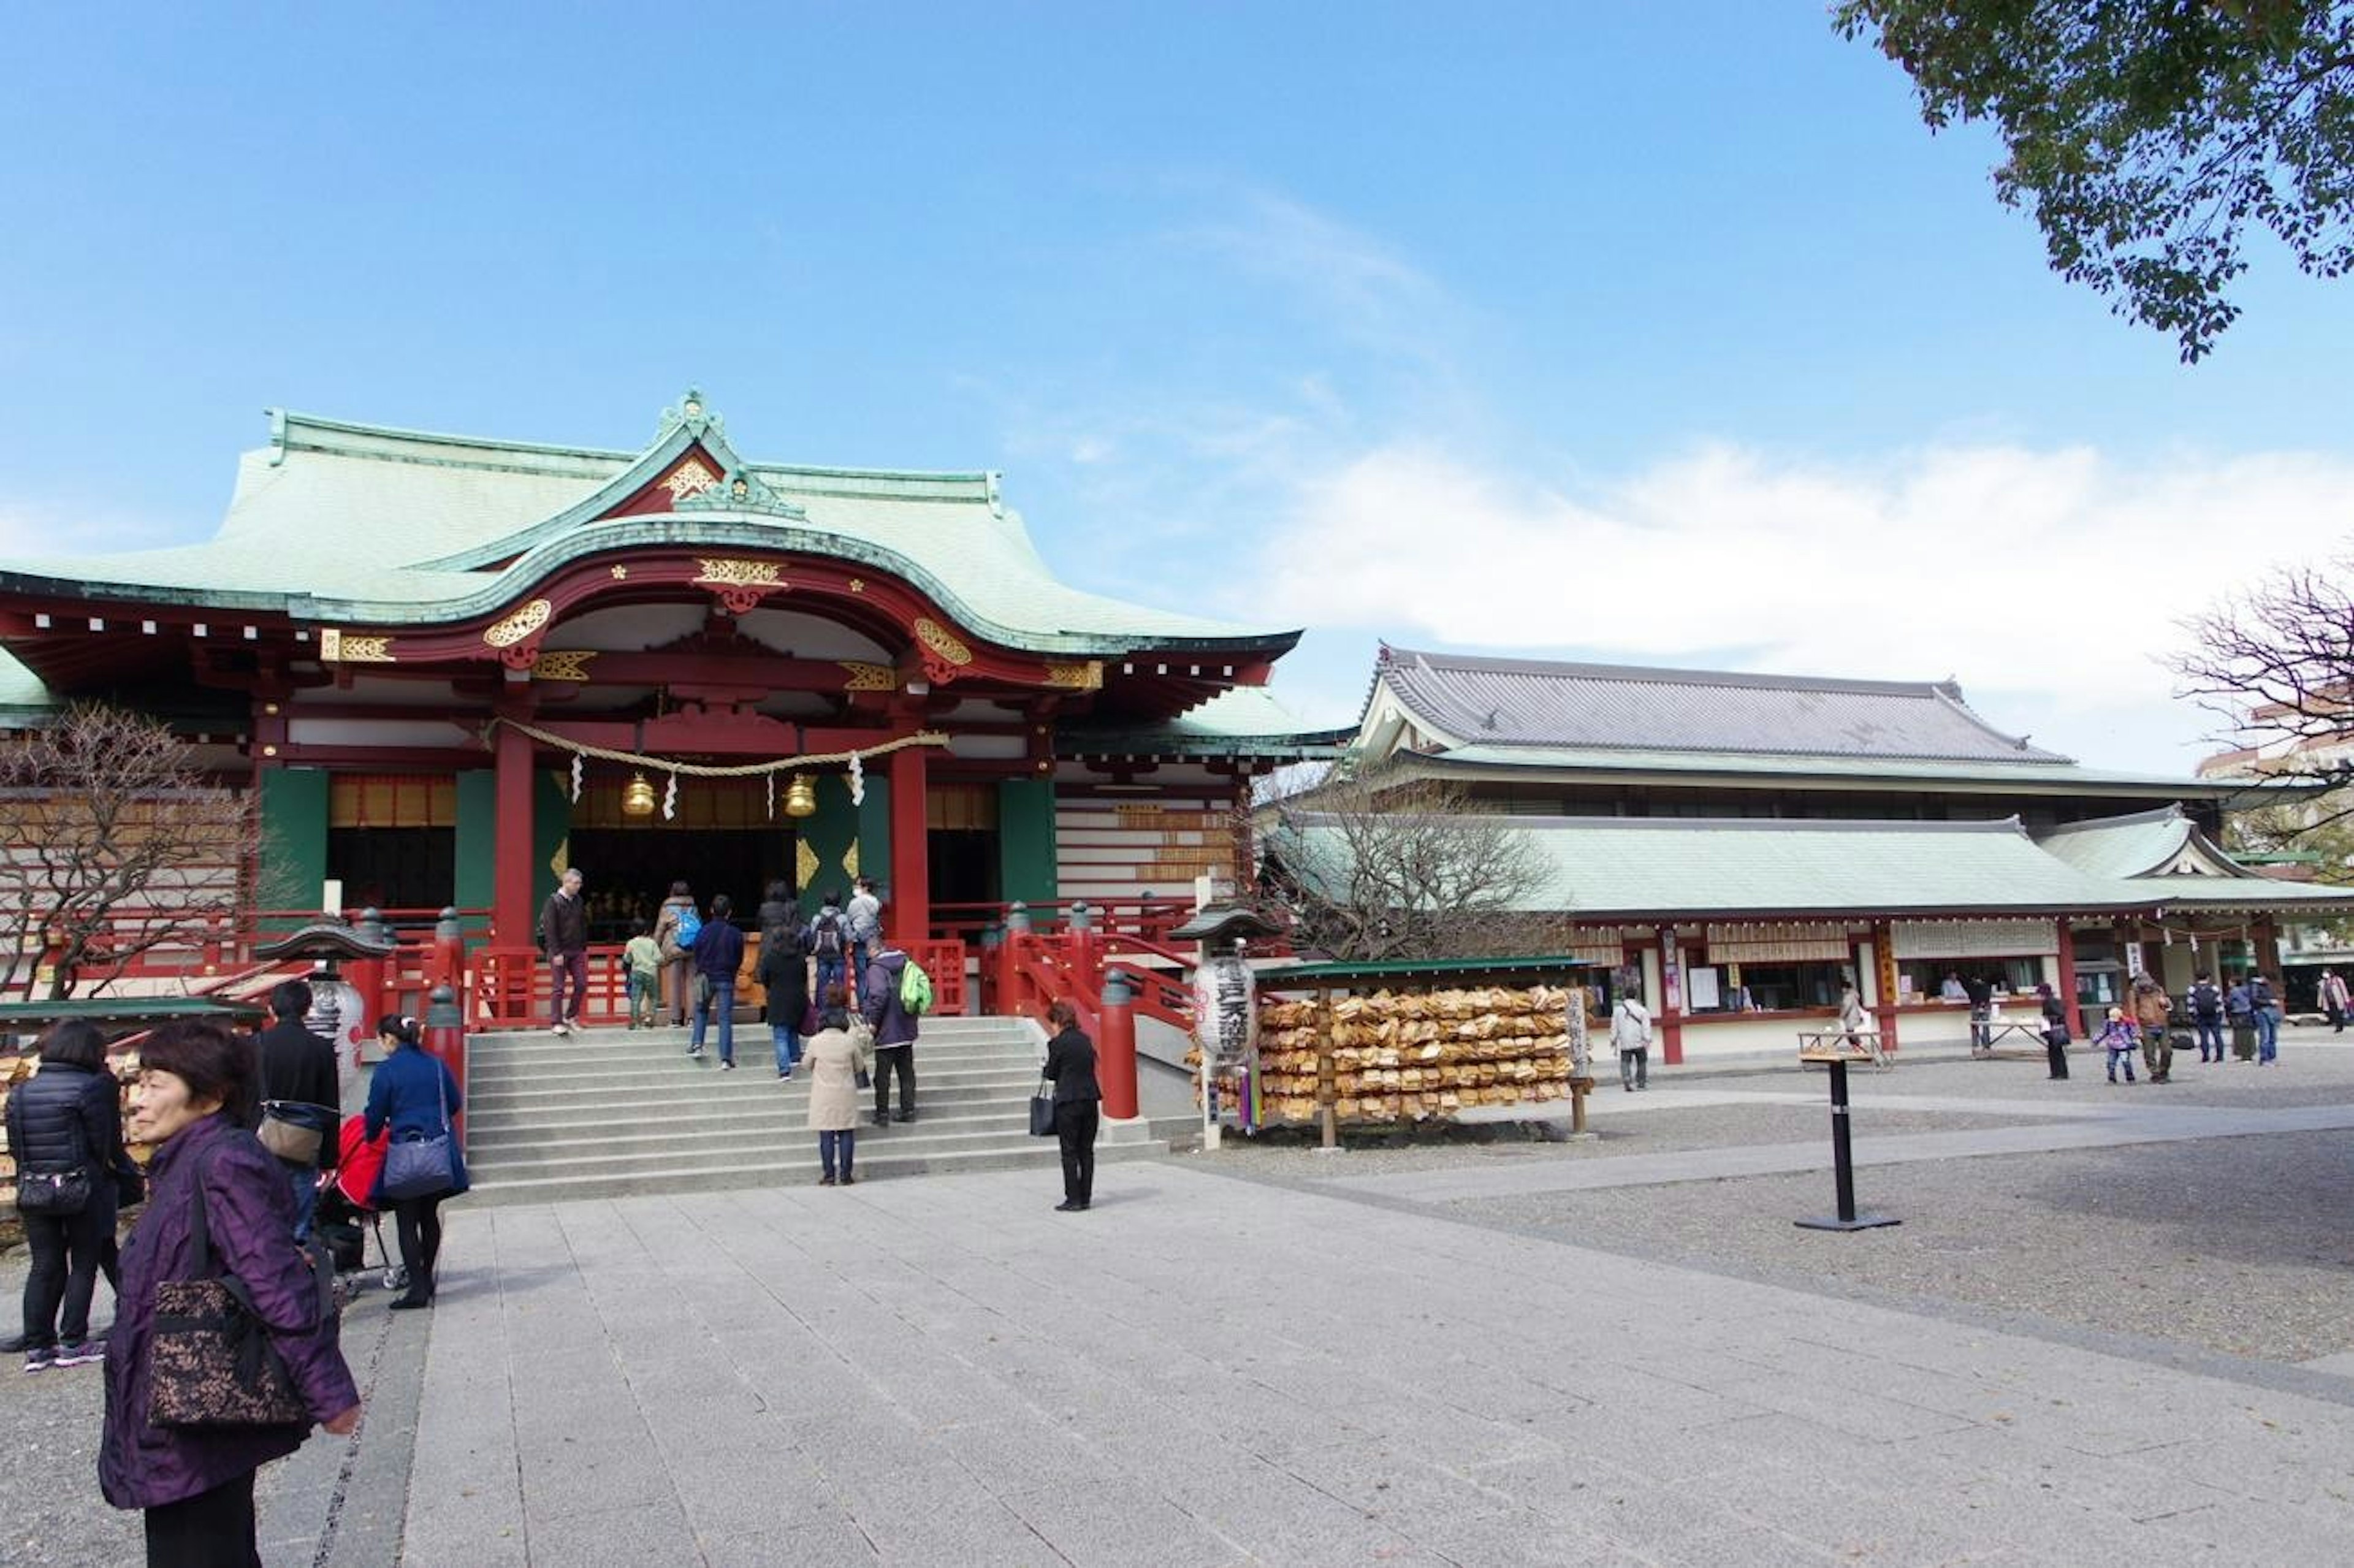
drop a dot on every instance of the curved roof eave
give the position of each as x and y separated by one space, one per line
742 532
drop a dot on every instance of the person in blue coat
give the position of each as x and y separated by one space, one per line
413 1094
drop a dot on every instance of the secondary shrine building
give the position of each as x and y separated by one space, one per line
1743 844
453 667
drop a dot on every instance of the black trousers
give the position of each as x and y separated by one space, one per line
2056 1053
1075 1129
899 1059
418 1222
68 1250
211 1530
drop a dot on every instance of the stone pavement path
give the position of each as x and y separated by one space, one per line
1205 1371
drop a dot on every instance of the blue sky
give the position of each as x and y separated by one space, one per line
1613 331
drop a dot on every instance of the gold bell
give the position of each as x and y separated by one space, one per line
637 797
801 797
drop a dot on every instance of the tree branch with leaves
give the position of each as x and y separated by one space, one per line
2148 137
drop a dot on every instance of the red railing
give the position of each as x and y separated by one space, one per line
513 987
1153 919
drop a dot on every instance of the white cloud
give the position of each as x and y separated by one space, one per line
2048 581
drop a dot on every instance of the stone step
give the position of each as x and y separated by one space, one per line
692 1079
796 1165
726 1147
740 1090
580 1127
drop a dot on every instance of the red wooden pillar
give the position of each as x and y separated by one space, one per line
511 878
1883 963
909 913
1116 1049
1671 999
2266 947
2067 988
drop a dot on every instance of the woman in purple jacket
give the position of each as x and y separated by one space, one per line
195 1086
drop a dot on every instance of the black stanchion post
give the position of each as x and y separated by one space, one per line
1843 1168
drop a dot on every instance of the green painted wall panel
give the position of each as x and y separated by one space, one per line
551 835
293 866
874 830
828 836
478 826
1026 840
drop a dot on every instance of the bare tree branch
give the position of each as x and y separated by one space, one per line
113 845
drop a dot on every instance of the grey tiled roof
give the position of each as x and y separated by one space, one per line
1541 703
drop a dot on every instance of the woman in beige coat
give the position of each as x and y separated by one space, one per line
841 1056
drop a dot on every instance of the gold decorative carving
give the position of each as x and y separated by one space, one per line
519 626
621 574
942 641
1080 677
858 584
806 865
568 664
865 677
689 478
850 861
741 574
338 647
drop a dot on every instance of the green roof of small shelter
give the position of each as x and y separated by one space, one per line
1282 977
357 524
122 1009
22 695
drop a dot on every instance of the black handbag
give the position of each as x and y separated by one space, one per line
1042 1111
420 1167
58 1194
210 1360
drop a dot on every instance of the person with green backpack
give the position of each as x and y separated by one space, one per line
897 993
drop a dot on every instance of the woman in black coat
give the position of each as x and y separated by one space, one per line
67 1118
1078 1103
2055 1031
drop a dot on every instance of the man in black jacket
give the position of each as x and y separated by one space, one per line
298 1073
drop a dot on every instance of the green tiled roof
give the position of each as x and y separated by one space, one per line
1628 867
2124 846
359 524
1523 762
21 691
1241 720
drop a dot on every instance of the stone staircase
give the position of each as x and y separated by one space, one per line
611 1112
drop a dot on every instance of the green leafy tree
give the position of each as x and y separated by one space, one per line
2147 136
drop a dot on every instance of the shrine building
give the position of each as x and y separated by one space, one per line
1745 842
453 667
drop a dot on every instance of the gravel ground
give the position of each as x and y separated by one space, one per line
2237 1244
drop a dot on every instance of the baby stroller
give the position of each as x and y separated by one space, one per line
345 1220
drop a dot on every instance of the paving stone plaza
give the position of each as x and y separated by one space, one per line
2115 1327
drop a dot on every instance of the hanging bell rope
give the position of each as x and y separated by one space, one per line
714 771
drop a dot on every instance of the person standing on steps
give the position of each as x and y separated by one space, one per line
1078 1105
865 918
676 925
784 983
641 966
1630 1033
564 938
839 1052
718 953
829 946
894 1034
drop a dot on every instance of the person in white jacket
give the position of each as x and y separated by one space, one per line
1630 1033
